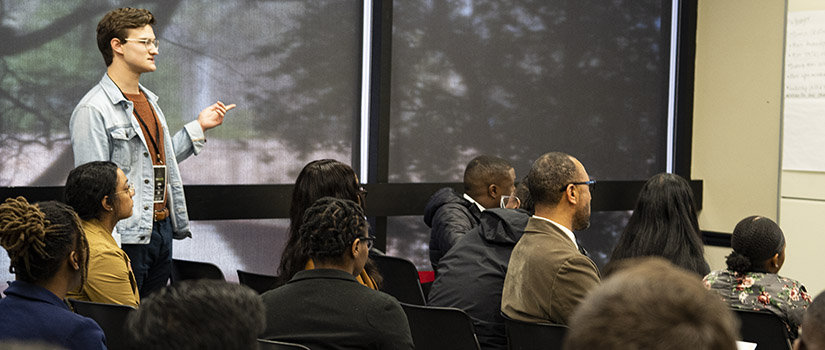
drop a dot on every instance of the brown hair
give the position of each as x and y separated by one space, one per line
652 304
39 237
114 25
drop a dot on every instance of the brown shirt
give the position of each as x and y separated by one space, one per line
151 128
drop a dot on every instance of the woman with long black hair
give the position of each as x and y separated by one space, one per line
320 178
663 224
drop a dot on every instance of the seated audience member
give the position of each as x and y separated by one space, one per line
652 304
663 224
326 307
471 274
199 314
101 195
812 331
48 253
548 275
450 215
751 282
320 178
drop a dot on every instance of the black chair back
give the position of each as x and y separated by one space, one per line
110 317
440 328
400 279
523 335
763 328
264 344
190 270
259 282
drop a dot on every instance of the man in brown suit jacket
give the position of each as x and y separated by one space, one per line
548 275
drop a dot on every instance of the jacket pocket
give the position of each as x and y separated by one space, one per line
124 142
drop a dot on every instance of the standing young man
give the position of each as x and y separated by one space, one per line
119 120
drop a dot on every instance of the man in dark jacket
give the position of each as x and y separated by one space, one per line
471 275
450 216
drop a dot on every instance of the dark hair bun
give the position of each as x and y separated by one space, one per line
738 263
22 227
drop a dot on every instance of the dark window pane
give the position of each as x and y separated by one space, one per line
408 237
518 79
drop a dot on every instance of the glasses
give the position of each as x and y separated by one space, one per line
368 240
149 43
130 190
590 183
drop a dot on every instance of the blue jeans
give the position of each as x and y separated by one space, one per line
152 263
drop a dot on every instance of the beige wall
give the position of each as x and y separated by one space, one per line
737 131
737 110
805 5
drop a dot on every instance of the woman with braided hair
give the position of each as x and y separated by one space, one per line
326 307
751 282
101 195
320 178
49 255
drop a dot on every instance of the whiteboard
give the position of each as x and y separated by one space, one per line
804 109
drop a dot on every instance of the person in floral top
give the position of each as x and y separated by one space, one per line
751 282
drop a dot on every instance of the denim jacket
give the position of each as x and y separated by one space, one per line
102 128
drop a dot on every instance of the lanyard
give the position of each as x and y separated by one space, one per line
146 127
157 131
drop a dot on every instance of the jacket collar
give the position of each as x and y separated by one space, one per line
323 274
471 200
94 229
116 96
33 292
535 219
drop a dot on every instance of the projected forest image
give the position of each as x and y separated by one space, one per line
509 78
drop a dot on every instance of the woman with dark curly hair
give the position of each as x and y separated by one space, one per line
101 195
326 307
663 224
751 282
49 255
320 178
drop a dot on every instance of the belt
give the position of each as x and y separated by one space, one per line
161 215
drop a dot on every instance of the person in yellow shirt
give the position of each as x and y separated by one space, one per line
101 195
